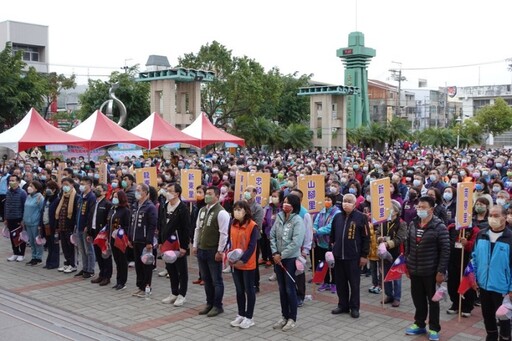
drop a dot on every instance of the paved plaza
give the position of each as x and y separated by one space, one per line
40 304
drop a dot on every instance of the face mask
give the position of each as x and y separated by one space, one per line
365 168
13 184
274 200
433 178
66 189
199 197
232 174
124 184
343 180
239 214
422 214
333 189
476 175
223 190
369 198
447 196
480 209
352 190
454 181
96 176
30 190
462 173
328 204
289 184
287 208
124 171
49 192
225 177
97 193
138 195
509 173
494 223
90 175
496 189
170 196
247 195
75 171
479 187
82 188
215 179
347 206
499 165
275 171
42 177
416 183
115 201
355 167
280 176
208 199
114 185
501 202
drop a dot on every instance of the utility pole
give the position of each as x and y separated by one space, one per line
126 67
397 76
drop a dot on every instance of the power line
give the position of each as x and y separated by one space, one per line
453 66
86 66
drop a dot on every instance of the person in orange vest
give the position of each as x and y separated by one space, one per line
244 237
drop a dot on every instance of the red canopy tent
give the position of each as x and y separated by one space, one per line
159 132
207 133
33 131
100 131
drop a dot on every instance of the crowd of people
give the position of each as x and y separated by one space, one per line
73 211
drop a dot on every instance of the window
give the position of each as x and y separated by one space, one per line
30 53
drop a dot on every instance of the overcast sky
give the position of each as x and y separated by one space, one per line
96 37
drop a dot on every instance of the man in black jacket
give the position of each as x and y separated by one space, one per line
427 251
174 220
97 221
350 240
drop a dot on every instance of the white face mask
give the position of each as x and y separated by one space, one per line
170 196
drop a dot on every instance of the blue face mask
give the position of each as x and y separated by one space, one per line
114 185
422 214
115 201
479 187
352 190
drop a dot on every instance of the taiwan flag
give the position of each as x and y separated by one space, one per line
102 239
397 269
468 279
171 244
321 270
121 240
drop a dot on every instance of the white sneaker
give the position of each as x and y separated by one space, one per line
236 322
180 301
12 258
70 269
131 264
162 273
246 323
227 270
20 259
273 277
280 324
169 299
289 325
62 268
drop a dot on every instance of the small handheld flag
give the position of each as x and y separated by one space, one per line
468 279
397 269
321 270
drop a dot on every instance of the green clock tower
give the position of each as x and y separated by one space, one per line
356 58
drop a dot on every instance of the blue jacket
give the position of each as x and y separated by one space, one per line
3 184
286 236
33 209
15 203
493 269
350 236
144 222
85 207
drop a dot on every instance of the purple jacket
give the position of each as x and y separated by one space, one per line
409 210
268 222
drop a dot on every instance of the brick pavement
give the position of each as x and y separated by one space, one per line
144 319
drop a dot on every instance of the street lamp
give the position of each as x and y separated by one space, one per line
458 120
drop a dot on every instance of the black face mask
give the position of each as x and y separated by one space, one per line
97 193
413 196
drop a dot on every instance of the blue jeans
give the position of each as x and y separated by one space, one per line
211 273
87 251
37 250
287 288
244 285
392 289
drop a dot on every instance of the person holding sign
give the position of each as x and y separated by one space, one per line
350 240
427 251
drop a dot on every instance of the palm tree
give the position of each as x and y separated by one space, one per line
255 130
438 137
397 129
297 136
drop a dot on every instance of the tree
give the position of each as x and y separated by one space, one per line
134 95
54 85
255 130
293 108
436 137
296 136
20 88
495 119
397 129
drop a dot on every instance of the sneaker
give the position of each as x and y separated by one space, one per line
180 300
214 312
62 268
226 270
12 258
205 310
289 325
79 273
236 322
32 262
20 259
131 264
272 277
372 288
86 275
280 324
246 323
333 288
121 287
433 335
300 303
477 302
163 273
466 314
414 329
70 269
169 299
324 287
452 311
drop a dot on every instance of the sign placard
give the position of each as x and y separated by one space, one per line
313 188
190 180
146 176
463 216
381 200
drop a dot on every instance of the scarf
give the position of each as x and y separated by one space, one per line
71 202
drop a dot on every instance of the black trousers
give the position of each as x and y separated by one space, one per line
53 259
300 280
105 265
266 253
348 282
121 264
491 301
2 205
144 272
178 275
422 290
19 250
